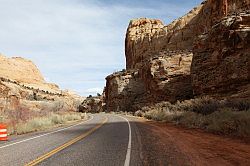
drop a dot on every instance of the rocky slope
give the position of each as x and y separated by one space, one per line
24 71
92 104
205 52
24 92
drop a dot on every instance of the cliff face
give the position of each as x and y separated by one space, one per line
205 52
138 40
221 58
122 89
145 38
167 77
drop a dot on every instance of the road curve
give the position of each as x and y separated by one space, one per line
105 139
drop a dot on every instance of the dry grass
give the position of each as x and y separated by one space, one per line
38 115
42 123
222 117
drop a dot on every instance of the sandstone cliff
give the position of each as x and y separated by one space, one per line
221 58
167 77
205 52
147 37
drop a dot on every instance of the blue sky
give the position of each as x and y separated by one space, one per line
77 43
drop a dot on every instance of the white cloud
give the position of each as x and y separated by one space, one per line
75 43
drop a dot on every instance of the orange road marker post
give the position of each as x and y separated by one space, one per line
3 132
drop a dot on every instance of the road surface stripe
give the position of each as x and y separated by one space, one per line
3 135
127 160
49 154
4 146
3 130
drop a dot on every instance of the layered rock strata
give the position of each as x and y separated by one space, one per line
221 62
216 33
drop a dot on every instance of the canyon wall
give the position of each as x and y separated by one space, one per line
145 38
221 58
205 52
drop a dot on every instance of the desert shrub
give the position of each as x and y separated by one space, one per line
58 105
154 114
53 106
139 113
239 105
56 119
226 117
202 105
163 114
229 122
191 120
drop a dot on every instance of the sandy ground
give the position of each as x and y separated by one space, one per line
166 144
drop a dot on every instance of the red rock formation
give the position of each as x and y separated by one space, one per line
162 56
138 39
221 58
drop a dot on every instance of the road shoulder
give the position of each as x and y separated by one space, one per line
164 143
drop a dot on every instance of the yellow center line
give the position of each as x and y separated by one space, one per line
58 149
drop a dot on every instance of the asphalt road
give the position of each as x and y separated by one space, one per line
104 139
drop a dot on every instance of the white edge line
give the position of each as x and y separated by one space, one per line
127 160
1 147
